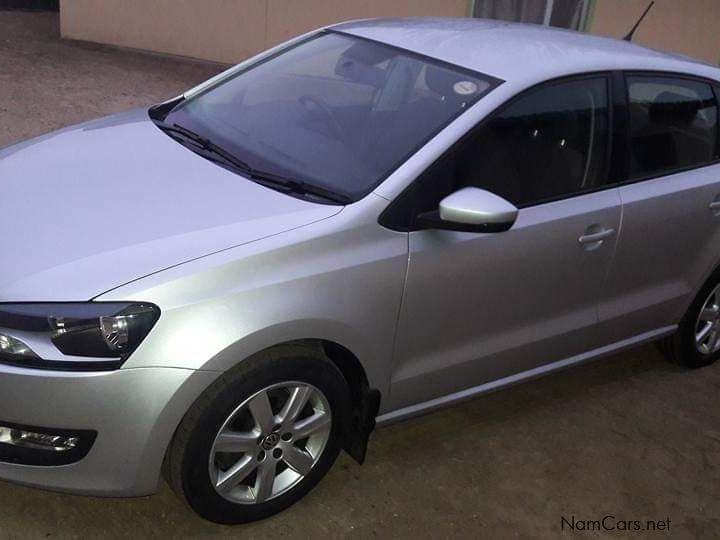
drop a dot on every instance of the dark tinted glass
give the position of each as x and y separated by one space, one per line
335 111
673 124
547 144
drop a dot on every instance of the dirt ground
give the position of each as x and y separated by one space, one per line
630 436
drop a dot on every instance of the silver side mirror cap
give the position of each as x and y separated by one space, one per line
471 210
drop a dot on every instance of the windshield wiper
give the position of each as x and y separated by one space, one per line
297 186
217 153
205 144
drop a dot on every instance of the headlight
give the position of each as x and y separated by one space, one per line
89 335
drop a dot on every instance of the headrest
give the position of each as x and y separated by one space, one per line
673 109
353 70
358 63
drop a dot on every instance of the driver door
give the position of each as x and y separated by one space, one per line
480 307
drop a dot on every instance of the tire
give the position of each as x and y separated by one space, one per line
196 462
681 348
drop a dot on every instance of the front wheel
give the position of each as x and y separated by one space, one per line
261 437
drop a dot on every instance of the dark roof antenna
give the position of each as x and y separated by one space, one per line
630 34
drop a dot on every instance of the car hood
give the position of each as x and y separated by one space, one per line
94 206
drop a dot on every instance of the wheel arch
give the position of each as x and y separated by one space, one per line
709 273
359 358
345 349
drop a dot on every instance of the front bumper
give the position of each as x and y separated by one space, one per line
134 412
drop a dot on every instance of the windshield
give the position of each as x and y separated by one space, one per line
336 112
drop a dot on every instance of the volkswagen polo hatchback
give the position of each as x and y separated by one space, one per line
368 222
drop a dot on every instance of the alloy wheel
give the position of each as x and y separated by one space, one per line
707 326
270 442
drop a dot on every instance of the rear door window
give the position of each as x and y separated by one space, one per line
673 124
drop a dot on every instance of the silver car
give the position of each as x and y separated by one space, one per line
368 222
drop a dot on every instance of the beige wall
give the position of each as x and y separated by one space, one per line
231 30
689 27
223 30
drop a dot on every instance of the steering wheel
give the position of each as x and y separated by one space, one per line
317 104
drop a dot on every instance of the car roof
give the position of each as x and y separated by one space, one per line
519 53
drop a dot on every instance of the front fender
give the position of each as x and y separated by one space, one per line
363 347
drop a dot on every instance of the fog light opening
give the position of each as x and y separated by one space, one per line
39 441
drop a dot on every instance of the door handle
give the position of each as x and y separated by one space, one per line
715 205
596 236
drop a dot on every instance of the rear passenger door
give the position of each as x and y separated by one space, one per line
670 234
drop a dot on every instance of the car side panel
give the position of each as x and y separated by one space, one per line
670 242
480 307
340 279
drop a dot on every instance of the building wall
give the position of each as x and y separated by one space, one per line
224 30
230 30
690 27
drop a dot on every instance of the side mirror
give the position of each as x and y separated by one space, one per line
471 210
